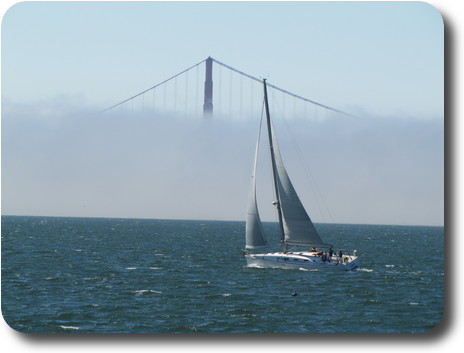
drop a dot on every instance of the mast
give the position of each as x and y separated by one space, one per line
274 168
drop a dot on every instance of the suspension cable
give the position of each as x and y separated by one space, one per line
281 89
239 72
153 87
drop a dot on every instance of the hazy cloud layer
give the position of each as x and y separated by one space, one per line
61 161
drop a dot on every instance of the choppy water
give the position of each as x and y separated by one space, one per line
133 275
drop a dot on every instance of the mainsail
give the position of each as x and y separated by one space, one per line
298 227
254 228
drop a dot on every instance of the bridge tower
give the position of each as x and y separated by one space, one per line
208 102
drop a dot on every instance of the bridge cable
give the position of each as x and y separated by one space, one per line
281 89
239 72
153 87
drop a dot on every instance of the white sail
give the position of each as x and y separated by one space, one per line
298 227
254 228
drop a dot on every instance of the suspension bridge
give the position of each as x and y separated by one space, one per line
212 87
234 93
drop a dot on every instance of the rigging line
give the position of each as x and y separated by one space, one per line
309 176
157 85
282 90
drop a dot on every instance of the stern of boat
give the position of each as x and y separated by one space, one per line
352 264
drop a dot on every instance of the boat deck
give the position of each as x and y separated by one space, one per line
303 259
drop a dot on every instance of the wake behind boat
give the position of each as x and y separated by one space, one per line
296 228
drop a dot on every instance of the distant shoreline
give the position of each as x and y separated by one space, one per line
221 220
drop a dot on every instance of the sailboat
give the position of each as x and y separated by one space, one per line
295 226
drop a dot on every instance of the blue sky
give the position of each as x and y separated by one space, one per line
382 61
386 58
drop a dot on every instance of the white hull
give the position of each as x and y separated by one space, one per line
303 259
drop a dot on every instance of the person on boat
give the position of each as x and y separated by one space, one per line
324 257
314 249
340 254
330 252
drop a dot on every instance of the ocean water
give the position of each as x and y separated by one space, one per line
135 275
